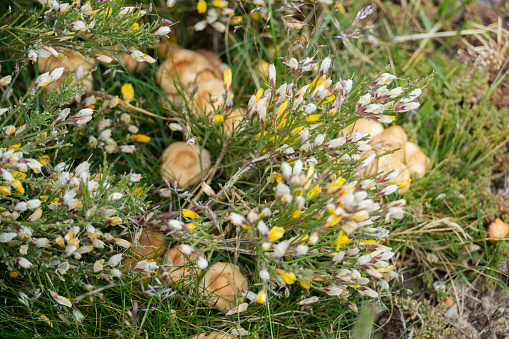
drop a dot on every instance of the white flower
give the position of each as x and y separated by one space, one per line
98 266
335 143
301 250
264 274
61 300
24 262
32 55
6 237
414 94
104 58
333 291
202 263
115 196
56 73
134 177
304 135
237 219
280 249
241 308
170 3
82 117
33 203
162 30
293 63
389 190
319 139
176 224
79 25
364 100
308 301
20 207
272 75
5 80
262 227
122 242
200 25
365 163
324 67
114 260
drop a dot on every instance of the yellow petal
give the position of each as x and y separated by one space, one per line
189 214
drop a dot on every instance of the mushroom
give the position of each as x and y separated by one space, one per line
187 66
367 126
214 335
233 119
177 264
205 90
184 164
223 286
415 159
392 138
498 229
149 245
71 61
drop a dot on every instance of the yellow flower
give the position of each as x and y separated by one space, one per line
276 233
341 240
127 91
5 190
275 176
115 220
313 117
13 274
134 27
335 184
314 191
189 214
259 94
296 214
227 75
369 242
17 185
262 297
304 284
191 226
140 138
220 3
218 118
288 277
15 146
202 6
405 183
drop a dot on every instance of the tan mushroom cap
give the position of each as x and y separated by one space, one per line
214 335
415 159
189 67
177 265
367 126
71 61
150 244
233 119
498 229
205 90
185 164
223 286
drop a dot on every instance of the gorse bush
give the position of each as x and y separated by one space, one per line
299 216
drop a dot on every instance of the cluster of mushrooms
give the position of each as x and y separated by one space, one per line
200 72
407 157
222 285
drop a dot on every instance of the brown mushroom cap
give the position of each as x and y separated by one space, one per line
223 286
233 119
207 88
177 265
498 229
415 159
187 66
150 244
214 335
185 164
367 126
